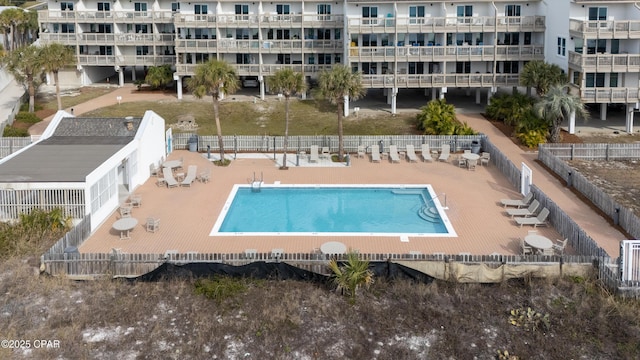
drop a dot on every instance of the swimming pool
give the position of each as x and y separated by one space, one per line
333 210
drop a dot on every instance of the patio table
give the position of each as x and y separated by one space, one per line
125 225
538 242
333 247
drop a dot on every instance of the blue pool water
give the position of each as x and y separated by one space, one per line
333 210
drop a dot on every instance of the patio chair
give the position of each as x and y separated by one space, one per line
518 202
462 162
168 178
313 154
153 224
534 221
446 152
125 211
153 170
411 153
559 247
361 151
530 211
526 249
191 176
484 158
135 201
325 153
393 154
375 153
426 153
471 165
467 151
205 176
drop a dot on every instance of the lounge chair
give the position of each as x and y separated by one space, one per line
446 151
375 153
168 178
325 153
313 154
361 151
530 211
411 153
534 221
518 202
393 154
191 175
426 153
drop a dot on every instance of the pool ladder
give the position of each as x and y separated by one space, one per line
255 183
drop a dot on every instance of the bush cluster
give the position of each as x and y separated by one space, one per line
517 110
27 117
439 118
10 131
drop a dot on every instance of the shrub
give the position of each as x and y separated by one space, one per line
531 130
439 118
509 108
529 319
27 117
10 131
25 107
352 275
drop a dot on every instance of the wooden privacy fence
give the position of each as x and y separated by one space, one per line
245 143
72 239
502 162
554 156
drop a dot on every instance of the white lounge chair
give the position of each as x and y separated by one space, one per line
325 153
191 175
534 221
361 151
375 153
530 211
426 153
518 202
411 153
393 154
168 178
313 154
446 151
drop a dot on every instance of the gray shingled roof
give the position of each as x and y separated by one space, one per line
77 147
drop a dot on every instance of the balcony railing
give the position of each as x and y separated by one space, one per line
444 53
608 95
605 62
447 24
257 70
440 80
153 16
255 20
126 60
257 46
614 29
108 39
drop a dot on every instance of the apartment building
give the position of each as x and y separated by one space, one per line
397 45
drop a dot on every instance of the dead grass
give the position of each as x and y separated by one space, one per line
300 320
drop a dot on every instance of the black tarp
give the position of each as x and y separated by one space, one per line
273 270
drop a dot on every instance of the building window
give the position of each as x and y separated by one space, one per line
370 13
596 46
284 59
175 7
323 34
324 9
613 80
103 190
597 13
104 6
242 10
464 12
140 6
324 59
562 46
142 50
576 78
200 9
463 67
512 10
595 80
416 14
510 67
283 9
68 6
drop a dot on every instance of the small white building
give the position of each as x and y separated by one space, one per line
86 166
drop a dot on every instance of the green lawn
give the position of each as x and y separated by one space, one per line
84 94
244 118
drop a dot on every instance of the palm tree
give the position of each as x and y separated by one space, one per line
437 118
214 78
56 56
10 19
159 76
352 275
556 106
542 76
25 64
334 86
288 83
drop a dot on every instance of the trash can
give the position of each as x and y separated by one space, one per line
475 147
193 143
71 250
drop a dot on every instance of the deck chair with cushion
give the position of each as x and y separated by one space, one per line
313 154
530 211
375 153
393 154
411 153
518 202
426 153
446 151
191 175
361 151
534 221
168 178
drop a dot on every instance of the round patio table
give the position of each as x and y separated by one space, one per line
333 247
125 225
538 241
470 156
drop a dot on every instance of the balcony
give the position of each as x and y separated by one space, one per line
446 53
125 60
440 80
271 21
258 46
108 39
604 62
605 95
615 29
446 24
108 17
259 70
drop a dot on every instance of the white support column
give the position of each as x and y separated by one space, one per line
478 96
434 92
442 92
426 92
262 87
572 122
346 106
394 98
121 78
603 112
389 96
629 120
178 85
490 93
133 73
